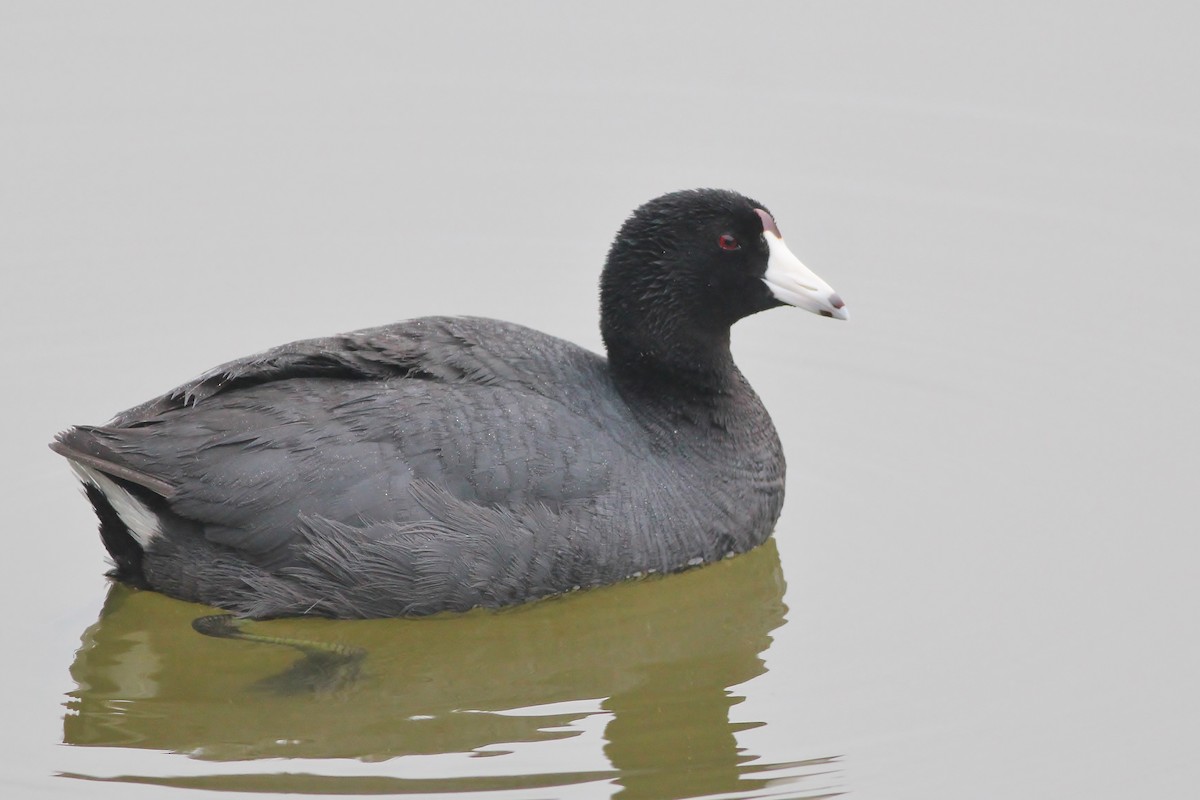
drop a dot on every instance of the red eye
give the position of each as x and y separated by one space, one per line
727 242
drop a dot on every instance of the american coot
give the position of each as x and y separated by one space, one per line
450 462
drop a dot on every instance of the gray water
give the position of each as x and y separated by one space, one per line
986 578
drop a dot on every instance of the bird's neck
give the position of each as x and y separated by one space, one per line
666 361
694 385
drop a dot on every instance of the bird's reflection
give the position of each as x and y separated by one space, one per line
659 655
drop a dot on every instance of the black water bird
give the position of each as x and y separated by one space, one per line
446 463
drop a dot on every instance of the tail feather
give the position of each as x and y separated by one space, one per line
124 549
128 502
83 446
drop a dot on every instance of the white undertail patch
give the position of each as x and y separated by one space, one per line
143 523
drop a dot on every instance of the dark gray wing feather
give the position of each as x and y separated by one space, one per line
336 433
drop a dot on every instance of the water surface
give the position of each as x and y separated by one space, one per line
649 672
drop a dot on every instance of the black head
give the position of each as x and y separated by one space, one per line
686 266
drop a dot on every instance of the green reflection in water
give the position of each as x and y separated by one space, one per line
660 654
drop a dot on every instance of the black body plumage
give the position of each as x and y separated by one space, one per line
446 463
